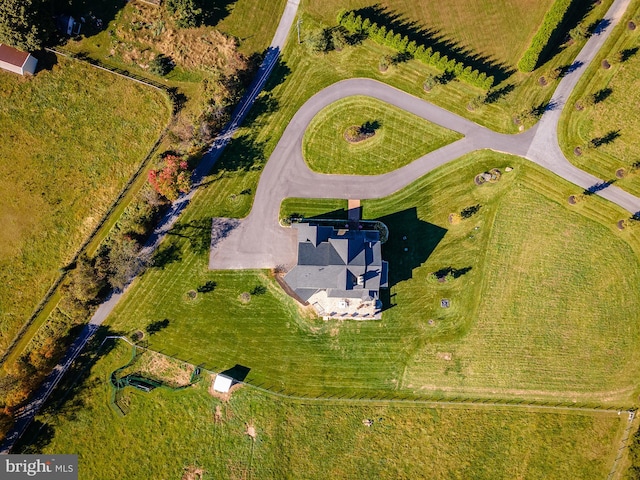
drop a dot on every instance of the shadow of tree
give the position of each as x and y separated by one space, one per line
279 74
470 211
166 254
454 272
496 94
371 126
207 287
602 94
96 13
197 232
577 11
66 399
565 70
157 326
411 241
216 11
627 53
243 153
593 189
606 139
433 38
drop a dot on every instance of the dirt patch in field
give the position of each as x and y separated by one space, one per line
218 415
193 473
164 369
444 356
224 397
251 431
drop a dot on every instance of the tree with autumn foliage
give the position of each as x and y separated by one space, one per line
172 179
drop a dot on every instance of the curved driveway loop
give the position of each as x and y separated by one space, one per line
260 242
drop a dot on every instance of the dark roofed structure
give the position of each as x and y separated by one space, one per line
342 265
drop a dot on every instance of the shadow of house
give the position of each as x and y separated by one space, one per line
411 241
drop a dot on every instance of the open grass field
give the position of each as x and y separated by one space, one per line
68 134
309 440
399 138
500 337
253 23
614 114
499 30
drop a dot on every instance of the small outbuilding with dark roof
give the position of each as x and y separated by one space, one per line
17 61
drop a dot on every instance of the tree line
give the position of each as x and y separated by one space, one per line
380 34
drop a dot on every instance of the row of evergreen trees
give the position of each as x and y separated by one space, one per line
356 24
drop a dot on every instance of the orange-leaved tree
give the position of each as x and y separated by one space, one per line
172 179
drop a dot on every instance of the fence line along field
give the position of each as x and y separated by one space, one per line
490 262
69 134
255 435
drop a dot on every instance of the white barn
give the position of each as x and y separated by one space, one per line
17 61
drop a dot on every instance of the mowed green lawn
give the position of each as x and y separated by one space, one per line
399 138
253 23
309 440
499 29
615 113
543 305
300 74
71 138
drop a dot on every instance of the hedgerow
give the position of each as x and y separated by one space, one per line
552 19
380 34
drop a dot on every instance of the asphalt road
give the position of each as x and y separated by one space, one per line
258 241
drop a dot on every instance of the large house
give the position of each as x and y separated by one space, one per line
339 272
17 61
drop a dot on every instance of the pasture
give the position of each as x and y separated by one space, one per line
261 436
55 157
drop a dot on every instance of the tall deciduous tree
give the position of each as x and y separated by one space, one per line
24 24
172 179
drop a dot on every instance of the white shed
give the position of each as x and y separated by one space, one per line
17 61
222 383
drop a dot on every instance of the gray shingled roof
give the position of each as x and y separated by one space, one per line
332 260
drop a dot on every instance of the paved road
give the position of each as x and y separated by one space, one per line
26 414
258 241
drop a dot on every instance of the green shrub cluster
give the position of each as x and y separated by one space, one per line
552 19
356 24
